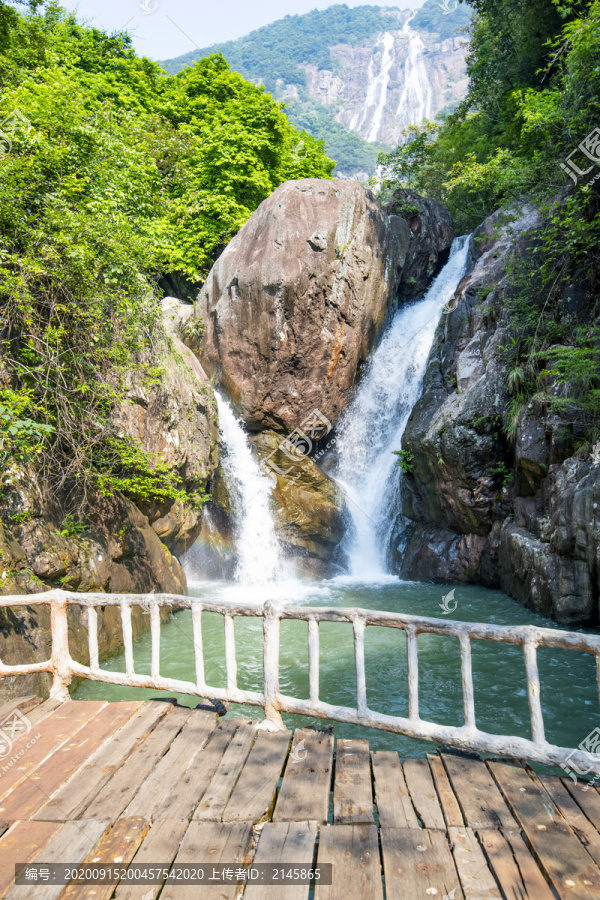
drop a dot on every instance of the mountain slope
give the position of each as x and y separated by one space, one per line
355 77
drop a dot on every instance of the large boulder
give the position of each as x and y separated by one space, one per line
431 235
293 305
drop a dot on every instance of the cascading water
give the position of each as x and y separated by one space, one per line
260 561
373 425
417 96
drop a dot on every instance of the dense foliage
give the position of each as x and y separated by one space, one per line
534 98
111 175
275 53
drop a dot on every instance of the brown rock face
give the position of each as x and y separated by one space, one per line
431 235
292 307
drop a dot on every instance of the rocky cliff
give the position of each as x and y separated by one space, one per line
117 546
520 514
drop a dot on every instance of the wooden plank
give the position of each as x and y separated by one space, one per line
580 824
117 847
304 794
212 806
21 845
476 880
393 800
419 782
449 803
353 850
288 843
418 864
212 843
173 789
352 792
45 709
71 844
71 799
120 790
4 826
31 795
160 848
25 705
587 798
513 865
556 848
481 802
254 794
44 740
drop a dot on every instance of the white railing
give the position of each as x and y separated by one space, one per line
466 736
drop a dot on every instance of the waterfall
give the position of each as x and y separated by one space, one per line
416 99
377 90
260 562
374 422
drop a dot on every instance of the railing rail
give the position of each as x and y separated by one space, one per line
467 736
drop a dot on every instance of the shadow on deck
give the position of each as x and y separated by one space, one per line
156 783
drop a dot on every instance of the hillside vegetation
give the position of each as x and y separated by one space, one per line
534 100
113 175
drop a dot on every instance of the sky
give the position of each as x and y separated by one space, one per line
162 29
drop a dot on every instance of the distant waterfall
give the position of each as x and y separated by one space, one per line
260 561
373 424
416 100
377 90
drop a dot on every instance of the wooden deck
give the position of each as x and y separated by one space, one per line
156 783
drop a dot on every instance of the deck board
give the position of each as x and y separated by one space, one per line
212 843
304 794
419 782
254 794
353 792
39 786
120 790
391 793
72 843
220 789
289 843
556 847
71 799
513 865
418 864
156 783
172 789
353 850
482 804
49 735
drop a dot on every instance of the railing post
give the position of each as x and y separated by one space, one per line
466 670
412 659
359 662
271 634
61 658
533 692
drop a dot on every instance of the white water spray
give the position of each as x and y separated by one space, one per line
416 100
373 425
260 562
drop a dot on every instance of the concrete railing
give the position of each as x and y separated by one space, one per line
466 736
